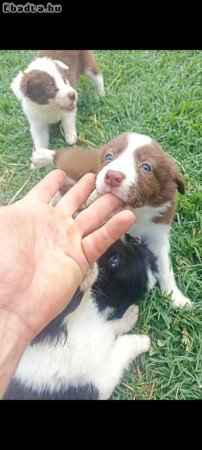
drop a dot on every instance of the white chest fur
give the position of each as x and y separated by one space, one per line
145 227
83 352
42 113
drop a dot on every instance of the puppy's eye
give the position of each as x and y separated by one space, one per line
145 167
65 81
109 157
114 262
49 89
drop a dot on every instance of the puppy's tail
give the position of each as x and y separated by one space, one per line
75 161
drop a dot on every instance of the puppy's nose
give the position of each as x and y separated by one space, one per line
72 96
114 178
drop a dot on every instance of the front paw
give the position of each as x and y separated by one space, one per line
101 91
131 316
42 157
145 342
71 138
179 300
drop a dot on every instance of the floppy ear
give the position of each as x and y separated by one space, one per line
19 86
62 68
180 183
61 64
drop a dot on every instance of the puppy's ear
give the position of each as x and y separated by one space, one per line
19 85
62 68
180 183
61 64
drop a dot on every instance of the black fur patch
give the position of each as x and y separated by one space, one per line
125 284
16 391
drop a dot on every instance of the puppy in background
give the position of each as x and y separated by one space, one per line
47 89
133 167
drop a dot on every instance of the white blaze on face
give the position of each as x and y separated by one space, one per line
125 163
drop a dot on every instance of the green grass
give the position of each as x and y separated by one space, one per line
156 93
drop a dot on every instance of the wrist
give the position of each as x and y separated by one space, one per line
12 347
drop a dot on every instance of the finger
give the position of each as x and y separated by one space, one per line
98 242
77 195
92 218
47 188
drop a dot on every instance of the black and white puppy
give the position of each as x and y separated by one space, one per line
81 354
47 89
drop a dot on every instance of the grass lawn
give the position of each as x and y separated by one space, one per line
155 93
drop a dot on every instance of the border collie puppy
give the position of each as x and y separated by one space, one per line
47 89
133 167
127 270
81 354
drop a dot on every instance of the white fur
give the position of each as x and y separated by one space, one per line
43 157
151 279
15 86
69 127
94 352
61 64
157 235
97 81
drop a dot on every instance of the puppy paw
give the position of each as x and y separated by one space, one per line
140 343
179 300
99 83
71 138
42 157
131 316
145 342
101 92
90 278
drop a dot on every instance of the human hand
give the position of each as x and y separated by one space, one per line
45 254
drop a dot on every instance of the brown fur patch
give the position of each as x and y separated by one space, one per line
77 161
34 85
167 217
115 147
158 186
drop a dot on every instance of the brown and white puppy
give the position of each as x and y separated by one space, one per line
136 169
47 90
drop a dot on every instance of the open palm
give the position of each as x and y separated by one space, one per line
45 253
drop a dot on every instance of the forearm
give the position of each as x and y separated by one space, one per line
12 346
